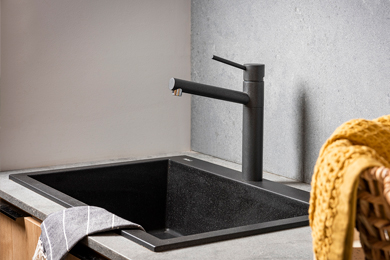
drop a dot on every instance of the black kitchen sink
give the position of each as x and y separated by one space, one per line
180 201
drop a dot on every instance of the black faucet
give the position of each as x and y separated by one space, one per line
253 111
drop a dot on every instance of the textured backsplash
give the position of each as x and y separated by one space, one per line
326 62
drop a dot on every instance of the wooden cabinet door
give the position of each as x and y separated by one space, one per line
19 238
6 245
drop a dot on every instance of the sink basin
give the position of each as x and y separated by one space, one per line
180 201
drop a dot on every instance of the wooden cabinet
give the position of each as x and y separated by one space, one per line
19 234
19 238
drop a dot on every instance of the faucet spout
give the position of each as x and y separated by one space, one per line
177 92
208 91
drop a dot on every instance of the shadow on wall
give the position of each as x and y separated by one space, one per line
303 140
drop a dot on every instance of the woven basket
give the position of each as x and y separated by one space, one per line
373 213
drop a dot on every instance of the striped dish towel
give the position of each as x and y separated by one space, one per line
62 230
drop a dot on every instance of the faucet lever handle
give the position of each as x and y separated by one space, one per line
228 62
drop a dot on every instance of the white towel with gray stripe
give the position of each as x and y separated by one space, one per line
61 230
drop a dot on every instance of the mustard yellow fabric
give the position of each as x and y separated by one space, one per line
353 147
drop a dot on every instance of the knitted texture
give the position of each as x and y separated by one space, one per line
353 147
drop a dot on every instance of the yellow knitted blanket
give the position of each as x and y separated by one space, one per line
353 147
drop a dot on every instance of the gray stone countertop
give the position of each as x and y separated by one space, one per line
294 244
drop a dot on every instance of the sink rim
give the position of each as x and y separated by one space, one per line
155 244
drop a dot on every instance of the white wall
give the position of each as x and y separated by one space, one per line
88 80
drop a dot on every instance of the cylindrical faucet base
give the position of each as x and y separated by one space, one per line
252 141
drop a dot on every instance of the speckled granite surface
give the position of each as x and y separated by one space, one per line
288 244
